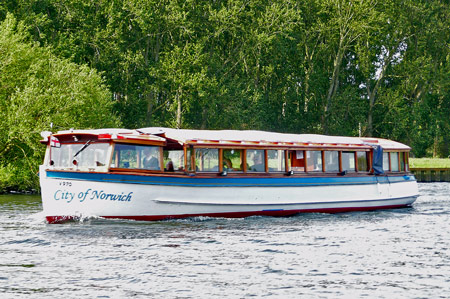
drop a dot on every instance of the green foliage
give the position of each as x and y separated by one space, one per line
317 66
6 177
38 89
429 163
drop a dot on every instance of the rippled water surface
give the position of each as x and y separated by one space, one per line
401 253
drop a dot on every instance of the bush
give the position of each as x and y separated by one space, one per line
39 88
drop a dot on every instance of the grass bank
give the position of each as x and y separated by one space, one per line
429 163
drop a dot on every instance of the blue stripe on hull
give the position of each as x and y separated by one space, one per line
194 181
287 205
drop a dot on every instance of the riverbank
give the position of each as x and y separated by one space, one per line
431 174
430 169
14 192
429 163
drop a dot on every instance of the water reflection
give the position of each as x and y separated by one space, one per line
19 202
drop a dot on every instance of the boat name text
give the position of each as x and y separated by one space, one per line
67 196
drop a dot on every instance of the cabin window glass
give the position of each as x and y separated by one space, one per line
297 162
348 161
275 160
232 160
256 161
332 161
394 162
362 161
207 159
289 161
136 157
314 160
402 161
406 161
91 155
173 160
386 161
189 158
62 157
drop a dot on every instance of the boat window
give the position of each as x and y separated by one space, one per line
190 158
332 161
407 161
232 160
297 161
93 155
314 160
386 161
348 161
136 156
207 159
362 161
403 161
256 161
275 160
173 160
289 161
61 157
394 162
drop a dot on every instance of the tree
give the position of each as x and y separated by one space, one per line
38 89
319 66
346 23
413 97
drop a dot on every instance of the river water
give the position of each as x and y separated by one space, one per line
403 253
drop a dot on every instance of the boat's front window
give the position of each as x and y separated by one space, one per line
136 156
92 156
207 159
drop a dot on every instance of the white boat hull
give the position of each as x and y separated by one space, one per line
66 197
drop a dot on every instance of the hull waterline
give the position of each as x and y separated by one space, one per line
274 213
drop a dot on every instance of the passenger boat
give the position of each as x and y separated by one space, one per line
163 173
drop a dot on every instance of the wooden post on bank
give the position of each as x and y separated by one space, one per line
431 174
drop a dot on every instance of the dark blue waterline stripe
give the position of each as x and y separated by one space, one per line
226 181
288 204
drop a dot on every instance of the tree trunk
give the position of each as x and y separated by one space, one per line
370 117
334 84
149 114
150 95
178 98
373 93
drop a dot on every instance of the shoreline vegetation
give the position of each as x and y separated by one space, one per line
332 67
429 163
422 163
